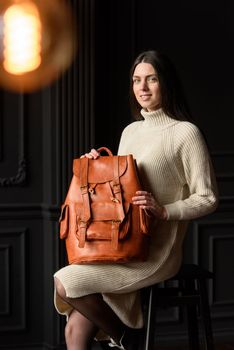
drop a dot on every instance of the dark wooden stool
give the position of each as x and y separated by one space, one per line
186 289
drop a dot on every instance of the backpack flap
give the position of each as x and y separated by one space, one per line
102 169
101 191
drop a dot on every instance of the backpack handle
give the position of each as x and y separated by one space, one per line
107 150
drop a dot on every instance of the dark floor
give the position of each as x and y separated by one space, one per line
217 347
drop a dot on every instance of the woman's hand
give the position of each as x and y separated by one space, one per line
146 201
93 154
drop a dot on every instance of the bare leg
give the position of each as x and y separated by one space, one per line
79 332
94 308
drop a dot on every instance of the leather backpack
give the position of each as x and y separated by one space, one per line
98 220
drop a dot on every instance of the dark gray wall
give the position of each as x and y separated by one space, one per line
42 132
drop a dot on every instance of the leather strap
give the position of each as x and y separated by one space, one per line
117 192
86 213
115 234
107 150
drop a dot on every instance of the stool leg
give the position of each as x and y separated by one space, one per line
205 314
150 322
192 318
192 327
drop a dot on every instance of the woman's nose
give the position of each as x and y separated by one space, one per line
144 85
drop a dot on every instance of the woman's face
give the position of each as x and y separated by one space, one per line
146 87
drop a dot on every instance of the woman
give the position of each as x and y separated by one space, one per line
179 184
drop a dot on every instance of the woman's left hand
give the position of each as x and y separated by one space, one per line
146 201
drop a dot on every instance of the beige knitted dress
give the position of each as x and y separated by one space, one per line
175 167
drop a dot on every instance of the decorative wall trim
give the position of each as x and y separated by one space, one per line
5 283
212 239
224 167
20 176
29 210
196 236
15 289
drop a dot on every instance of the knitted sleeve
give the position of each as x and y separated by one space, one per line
196 173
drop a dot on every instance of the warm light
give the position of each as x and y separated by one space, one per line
37 42
21 38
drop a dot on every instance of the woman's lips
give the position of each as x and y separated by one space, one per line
145 97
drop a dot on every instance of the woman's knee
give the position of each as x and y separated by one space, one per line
60 288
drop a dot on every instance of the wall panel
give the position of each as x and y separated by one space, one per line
12 140
13 296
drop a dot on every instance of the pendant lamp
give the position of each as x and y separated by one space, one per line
37 42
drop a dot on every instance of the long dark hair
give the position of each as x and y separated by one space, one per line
173 99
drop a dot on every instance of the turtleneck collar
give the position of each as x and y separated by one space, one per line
156 118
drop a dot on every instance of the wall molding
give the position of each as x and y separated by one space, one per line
213 242
198 234
20 177
14 317
223 163
5 252
27 211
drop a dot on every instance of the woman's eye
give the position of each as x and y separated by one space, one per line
152 79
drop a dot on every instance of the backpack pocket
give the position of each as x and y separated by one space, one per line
104 222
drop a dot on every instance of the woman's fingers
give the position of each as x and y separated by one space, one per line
93 154
143 193
146 201
143 197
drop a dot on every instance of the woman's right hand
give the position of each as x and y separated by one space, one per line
146 201
93 154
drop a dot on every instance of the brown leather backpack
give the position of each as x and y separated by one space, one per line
98 220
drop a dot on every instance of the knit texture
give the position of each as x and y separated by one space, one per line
174 165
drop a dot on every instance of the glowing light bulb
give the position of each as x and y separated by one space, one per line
37 42
22 38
